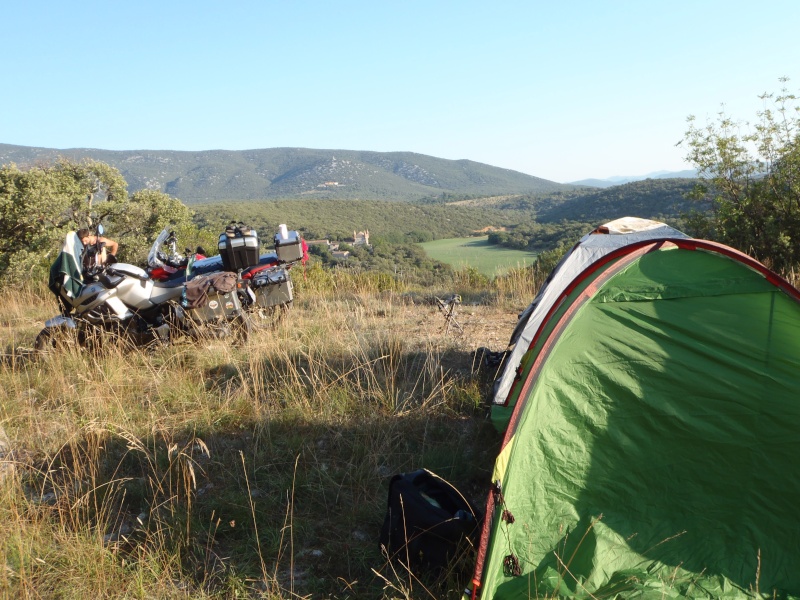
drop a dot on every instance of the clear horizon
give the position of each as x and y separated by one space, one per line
581 90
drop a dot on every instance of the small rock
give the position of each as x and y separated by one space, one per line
360 536
205 488
48 498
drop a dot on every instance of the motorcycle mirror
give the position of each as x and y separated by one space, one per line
100 229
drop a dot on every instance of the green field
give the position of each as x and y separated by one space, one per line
477 252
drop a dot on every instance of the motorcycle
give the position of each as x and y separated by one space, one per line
264 283
100 298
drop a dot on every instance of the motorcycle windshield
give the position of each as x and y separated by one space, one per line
152 258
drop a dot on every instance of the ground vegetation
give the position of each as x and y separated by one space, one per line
219 470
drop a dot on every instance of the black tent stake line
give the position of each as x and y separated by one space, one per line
448 308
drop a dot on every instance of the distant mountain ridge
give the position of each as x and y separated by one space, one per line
281 173
621 179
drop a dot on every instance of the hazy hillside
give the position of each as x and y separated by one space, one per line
542 222
523 221
619 180
651 198
273 173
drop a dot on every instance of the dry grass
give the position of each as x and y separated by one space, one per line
206 470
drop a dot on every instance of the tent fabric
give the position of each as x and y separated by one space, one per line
653 450
591 248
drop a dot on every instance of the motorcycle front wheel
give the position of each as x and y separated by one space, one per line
236 327
51 339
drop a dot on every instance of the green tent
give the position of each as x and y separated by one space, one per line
653 450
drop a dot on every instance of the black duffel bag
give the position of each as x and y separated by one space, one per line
427 519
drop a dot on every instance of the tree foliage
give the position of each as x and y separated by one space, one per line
660 199
146 214
395 222
541 237
406 261
751 171
39 205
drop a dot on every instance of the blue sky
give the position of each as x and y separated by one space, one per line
561 90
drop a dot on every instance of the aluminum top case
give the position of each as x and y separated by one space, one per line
288 246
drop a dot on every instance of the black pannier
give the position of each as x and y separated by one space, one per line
427 519
238 247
